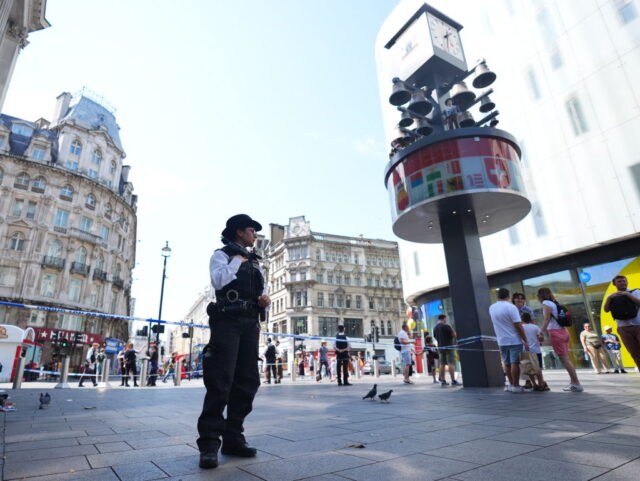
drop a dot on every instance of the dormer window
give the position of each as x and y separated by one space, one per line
96 157
76 147
21 129
38 153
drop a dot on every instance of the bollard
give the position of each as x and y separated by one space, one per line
64 374
17 380
376 368
293 371
356 369
393 368
104 382
177 374
143 372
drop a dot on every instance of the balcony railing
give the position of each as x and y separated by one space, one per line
116 281
54 262
59 230
79 268
99 275
86 236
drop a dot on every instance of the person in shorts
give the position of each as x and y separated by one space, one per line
446 337
405 352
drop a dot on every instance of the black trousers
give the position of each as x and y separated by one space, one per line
87 370
271 369
230 364
343 365
327 369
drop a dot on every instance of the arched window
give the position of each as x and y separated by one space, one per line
16 242
76 147
389 327
382 328
54 249
90 201
39 184
96 157
116 272
66 192
108 211
22 181
100 262
81 255
112 167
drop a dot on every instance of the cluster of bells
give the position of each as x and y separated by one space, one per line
420 104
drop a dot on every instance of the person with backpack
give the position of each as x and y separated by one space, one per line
555 315
624 306
90 365
270 355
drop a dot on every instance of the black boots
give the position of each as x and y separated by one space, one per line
237 447
209 460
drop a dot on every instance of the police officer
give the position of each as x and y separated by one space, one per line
230 359
342 356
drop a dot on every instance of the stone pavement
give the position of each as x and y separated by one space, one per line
303 431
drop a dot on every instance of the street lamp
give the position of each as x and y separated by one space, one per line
166 253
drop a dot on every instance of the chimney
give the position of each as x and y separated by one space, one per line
62 105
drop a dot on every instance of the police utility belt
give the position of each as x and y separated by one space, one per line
232 305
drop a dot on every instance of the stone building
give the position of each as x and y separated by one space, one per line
318 281
18 18
67 223
197 314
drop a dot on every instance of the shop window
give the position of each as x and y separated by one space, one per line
299 325
353 327
327 326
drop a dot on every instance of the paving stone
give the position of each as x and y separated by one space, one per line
303 433
538 437
527 468
139 455
112 438
102 474
618 434
20 469
304 466
628 472
139 472
62 452
482 451
48 443
218 474
113 447
418 467
573 426
384 450
17 438
513 422
581 451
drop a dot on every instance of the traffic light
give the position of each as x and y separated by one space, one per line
144 332
54 336
157 328
185 335
65 347
77 338
162 350
376 334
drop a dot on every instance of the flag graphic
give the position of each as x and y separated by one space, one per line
416 179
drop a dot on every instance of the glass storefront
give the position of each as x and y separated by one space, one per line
582 290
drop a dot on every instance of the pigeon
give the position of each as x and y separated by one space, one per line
372 394
45 400
384 397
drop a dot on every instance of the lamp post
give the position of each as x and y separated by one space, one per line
166 253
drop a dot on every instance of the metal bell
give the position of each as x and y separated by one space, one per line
493 122
400 94
424 127
483 76
406 120
462 96
486 105
465 119
399 139
419 103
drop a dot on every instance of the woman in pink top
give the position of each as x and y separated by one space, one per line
558 336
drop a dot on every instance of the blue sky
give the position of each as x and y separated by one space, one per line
265 107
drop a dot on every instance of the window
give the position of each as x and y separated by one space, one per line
347 280
347 302
17 208
1 175
90 201
389 328
8 276
372 304
1 142
356 259
37 153
416 263
75 285
76 148
358 302
37 318
369 281
320 299
54 249
71 164
303 276
377 281
108 211
319 277
329 278
104 233
112 167
332 301
353 327
48 285
69 322
340 298
328 326
578 122
294 276
16 242
299 325
100 262
538 219
339 279
533 83
96 157
66 193
85 224
31 210
93 174
21 129
22 181
62 218
358 280
627 11
318 255
39 184
81 255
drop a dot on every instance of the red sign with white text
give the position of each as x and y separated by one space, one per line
44 334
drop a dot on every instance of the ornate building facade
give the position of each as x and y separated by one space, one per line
18 18
318 281
67 223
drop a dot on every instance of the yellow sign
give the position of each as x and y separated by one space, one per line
3 332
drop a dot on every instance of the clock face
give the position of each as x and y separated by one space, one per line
445 37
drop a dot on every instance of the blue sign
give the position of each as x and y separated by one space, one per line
585 277
113 345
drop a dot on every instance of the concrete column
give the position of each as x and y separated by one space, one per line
17 380
64 374
393 369
144 369
376 368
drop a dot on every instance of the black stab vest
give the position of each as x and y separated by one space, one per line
342 343
248 284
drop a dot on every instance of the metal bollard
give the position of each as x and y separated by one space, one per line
425 367
356 369
376 368
106 365
393 368
64 374
177 377
292 370
17 380
144 369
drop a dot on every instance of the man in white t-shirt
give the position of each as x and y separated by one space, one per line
511 337
405 351
629 329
